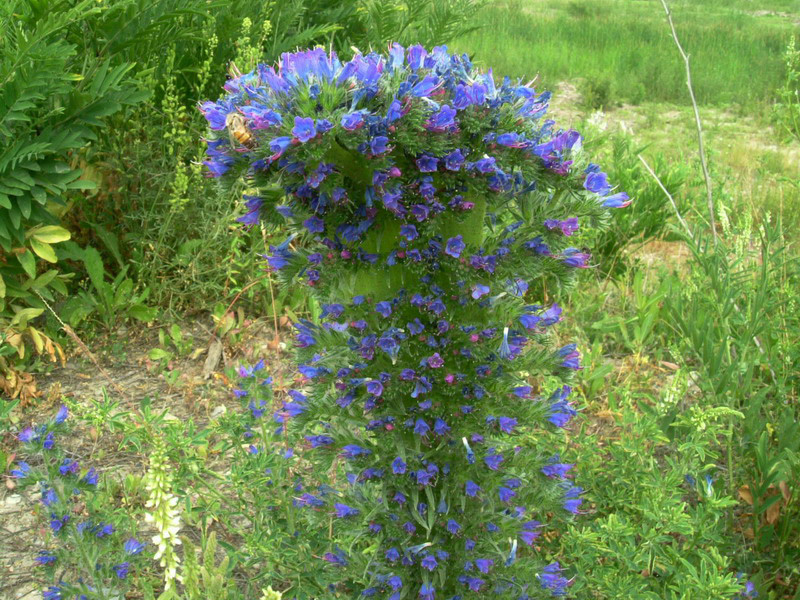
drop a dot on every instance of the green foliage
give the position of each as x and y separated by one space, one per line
53 98
738 319
735 53
787 109
657 528
650 213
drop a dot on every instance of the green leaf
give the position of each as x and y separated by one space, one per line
142 313
94 266
51 234
28 263
43 250
2 287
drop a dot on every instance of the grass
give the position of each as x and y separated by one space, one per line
625 45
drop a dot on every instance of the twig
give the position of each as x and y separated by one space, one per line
701 147
689 234
667 194
68 330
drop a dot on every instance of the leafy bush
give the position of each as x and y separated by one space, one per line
427 204
52 101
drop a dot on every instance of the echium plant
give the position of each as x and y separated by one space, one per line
87 556
432 212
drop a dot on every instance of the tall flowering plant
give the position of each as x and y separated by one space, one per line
433 212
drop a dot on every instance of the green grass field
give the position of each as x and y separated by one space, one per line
625 45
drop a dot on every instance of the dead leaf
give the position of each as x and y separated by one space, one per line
213 358
669 365
746 495
787 495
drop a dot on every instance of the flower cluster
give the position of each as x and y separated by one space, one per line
433 212
86 544
163 513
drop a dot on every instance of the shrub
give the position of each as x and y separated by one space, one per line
53 99
426 204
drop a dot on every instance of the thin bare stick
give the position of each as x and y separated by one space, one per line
689 233
667 194
703 162
68 330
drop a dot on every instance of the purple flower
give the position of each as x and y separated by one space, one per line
479 290
421 428
68 467
398 466
453 526
278 146
122 569
45 558
314 225
409 232
379 145
352 451
57 523
343 511
597 183
384 308
427 592
354 120
52 593
472 489
484 565
486 165
427 164
440 427
61 415
304 129
339 558
557 469
392 554
619 200
567 227
132 546
425 87
454 160
573 257
493 459
455 246
441 120
22 470
319 440
435 361
428 562
91 477
551 579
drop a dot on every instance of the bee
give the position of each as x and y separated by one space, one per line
237 128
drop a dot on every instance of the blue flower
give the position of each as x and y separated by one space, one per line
427 164
304 129
392 554
319 440
428 562
455 246
278 146
379 145
58 523
61 415
122 569
472 489
620 200
454 160
52 593
132 546
352 121
343 511
551 579
22 470
398 466
453 526
45 558
314 225
597 183
421 428
442 120
427 592
352 451
493 459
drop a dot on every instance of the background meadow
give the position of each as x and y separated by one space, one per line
688 438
